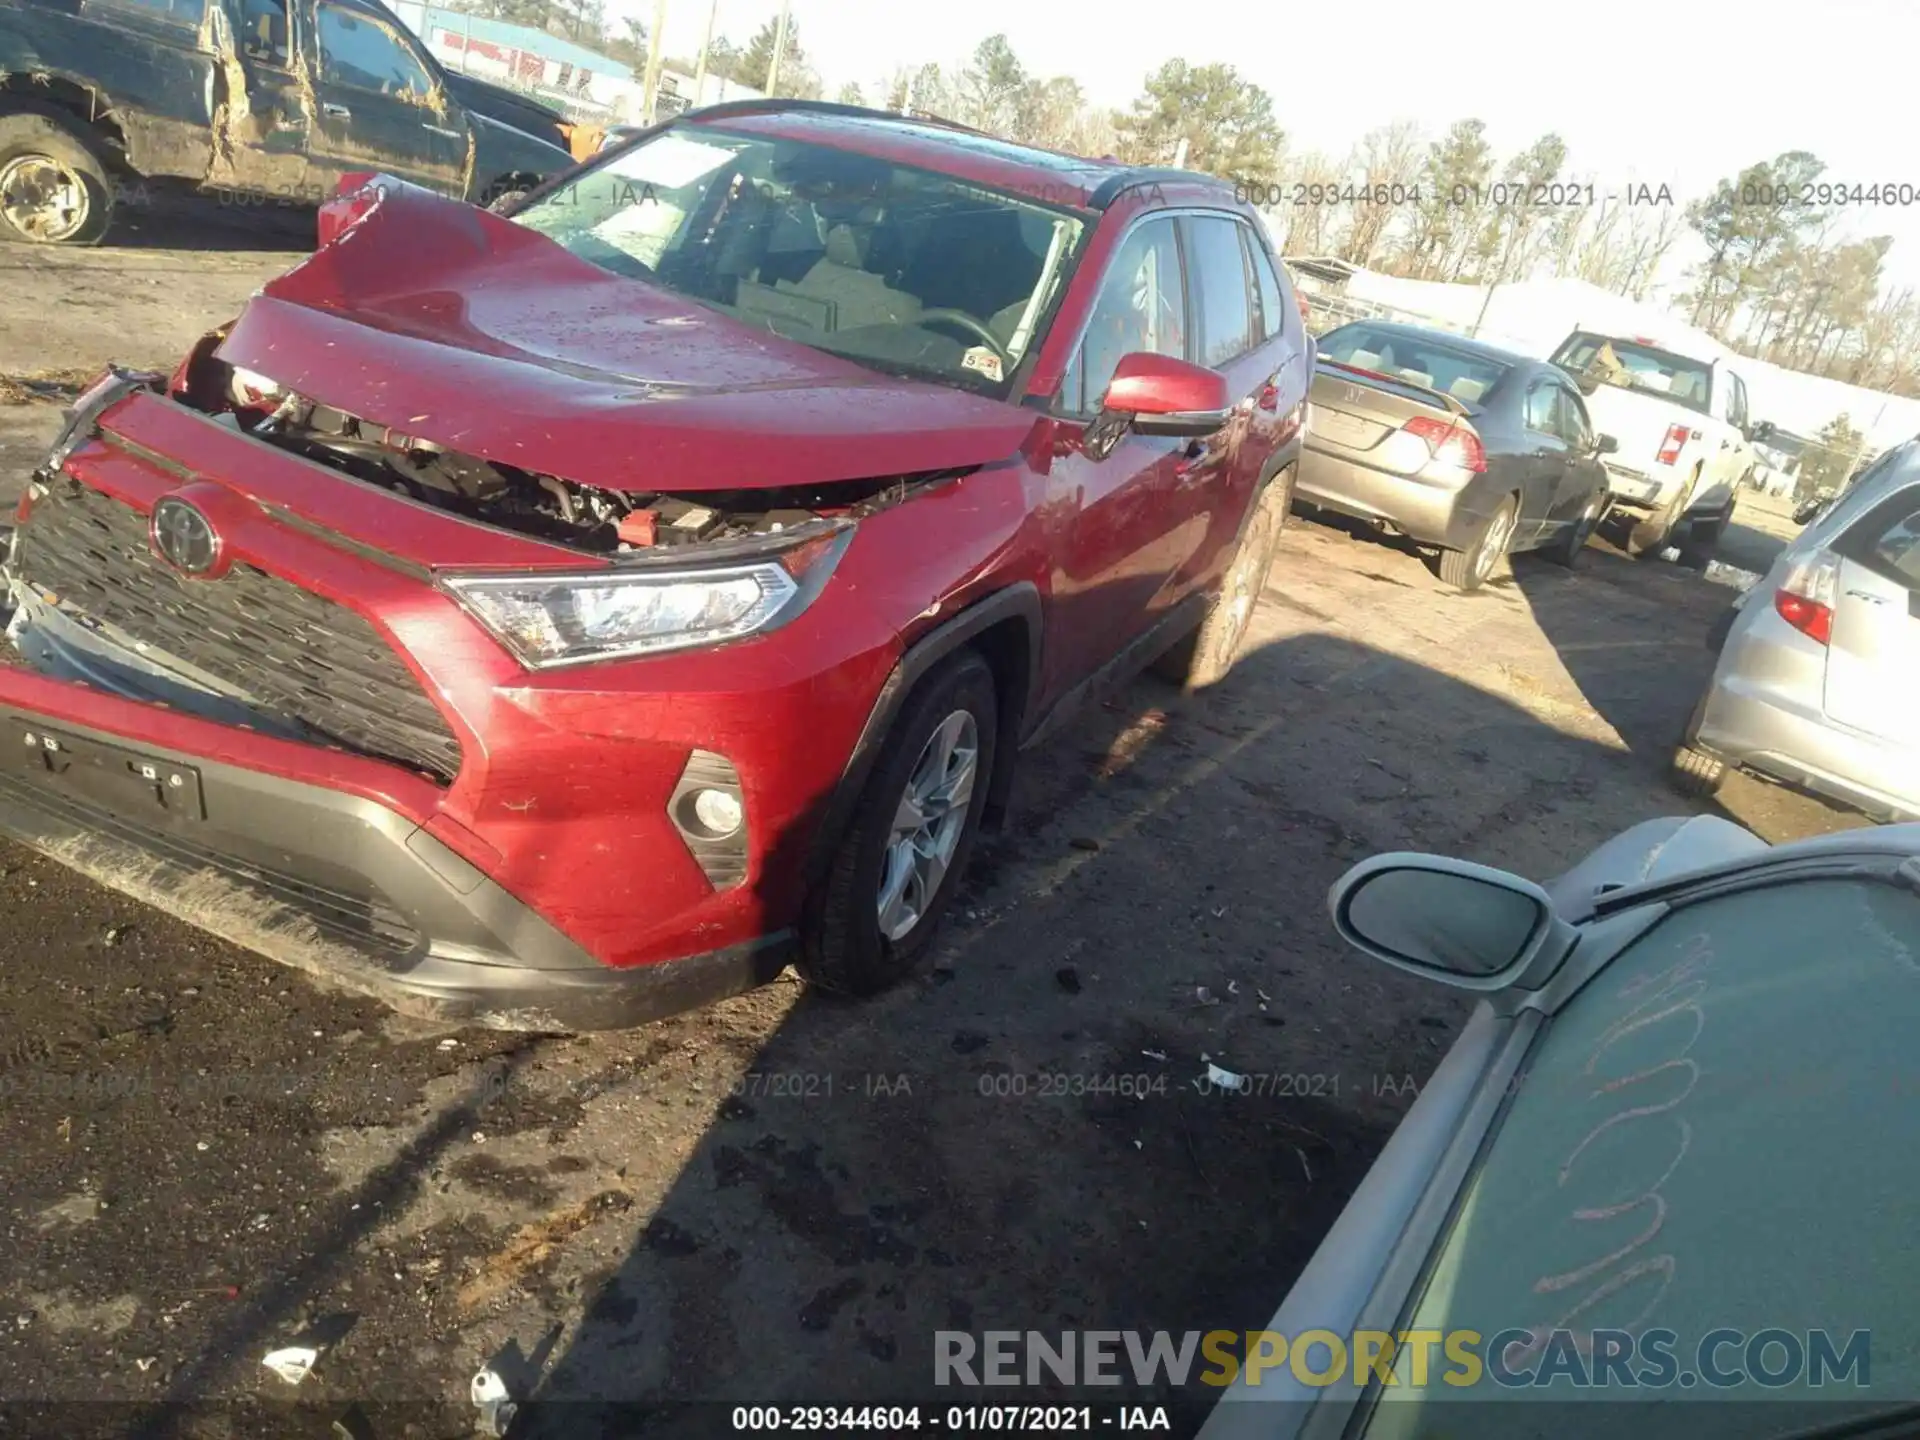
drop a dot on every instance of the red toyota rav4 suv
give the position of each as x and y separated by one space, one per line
558 620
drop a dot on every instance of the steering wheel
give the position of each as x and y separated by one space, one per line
972 326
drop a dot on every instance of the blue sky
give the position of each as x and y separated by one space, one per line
1674 91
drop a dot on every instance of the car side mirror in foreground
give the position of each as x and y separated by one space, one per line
1605 445
1158 395
1450 920
1761 433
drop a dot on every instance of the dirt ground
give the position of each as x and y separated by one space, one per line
783 1199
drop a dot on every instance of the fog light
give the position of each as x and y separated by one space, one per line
717 811
709 809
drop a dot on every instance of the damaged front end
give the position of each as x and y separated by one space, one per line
592 519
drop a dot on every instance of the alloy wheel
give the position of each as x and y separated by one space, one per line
927 824
1494 543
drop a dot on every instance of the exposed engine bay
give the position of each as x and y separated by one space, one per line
547 507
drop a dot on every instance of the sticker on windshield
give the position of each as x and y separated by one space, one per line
670 162
984 360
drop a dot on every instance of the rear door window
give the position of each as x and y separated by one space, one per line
1217 268
362 54
1540 407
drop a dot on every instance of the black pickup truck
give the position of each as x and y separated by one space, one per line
274 99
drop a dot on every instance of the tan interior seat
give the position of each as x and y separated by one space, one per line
858 297
1467 390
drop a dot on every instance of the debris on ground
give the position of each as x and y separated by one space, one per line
1159 1055
1225 1079
293 1363
448 1044
1084 842
495 1404
1203 996
1068 979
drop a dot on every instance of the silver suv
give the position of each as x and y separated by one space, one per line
1818 682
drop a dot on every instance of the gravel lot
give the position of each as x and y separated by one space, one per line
783 1199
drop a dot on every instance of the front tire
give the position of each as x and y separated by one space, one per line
910 836
1572 544
54 189
1204 656
1467 570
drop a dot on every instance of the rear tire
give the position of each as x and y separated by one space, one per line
1467 570
1204 656
1697 773
1703 540
844 948
1650 538
54 188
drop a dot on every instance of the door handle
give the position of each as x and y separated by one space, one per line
1189 458
338 112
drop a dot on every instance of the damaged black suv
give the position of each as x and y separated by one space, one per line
247 100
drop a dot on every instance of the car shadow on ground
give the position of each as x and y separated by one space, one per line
151 218
871 1181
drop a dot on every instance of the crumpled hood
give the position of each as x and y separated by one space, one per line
452 324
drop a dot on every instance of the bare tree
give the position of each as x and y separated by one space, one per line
1307 229
1388 161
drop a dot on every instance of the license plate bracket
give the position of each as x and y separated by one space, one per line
115 775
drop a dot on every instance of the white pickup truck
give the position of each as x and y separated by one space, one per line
1686 439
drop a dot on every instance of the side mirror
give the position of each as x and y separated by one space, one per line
1162 395
1760 433
1605 445
1450 920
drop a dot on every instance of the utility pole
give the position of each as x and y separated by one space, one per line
913 84
779 46
656 53
700 66
1180 154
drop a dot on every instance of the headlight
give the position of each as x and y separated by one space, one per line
548 620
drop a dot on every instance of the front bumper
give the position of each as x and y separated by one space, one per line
338 885
547 883
1427 513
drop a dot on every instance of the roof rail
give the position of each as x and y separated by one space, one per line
1111 188
727 109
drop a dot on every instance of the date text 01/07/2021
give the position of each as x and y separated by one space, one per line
833 1420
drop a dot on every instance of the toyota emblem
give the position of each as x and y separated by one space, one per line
184 538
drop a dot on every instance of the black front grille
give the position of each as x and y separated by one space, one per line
289 653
